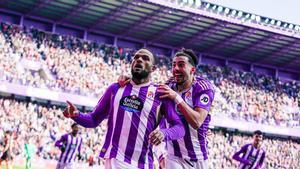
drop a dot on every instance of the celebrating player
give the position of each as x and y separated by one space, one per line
70 146
133 113
253 155
193 97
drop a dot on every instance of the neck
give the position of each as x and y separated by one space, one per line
186 85
141 81
256 145
73 134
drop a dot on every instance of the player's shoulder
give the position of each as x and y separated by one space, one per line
201 84
113 87
247 145
65 136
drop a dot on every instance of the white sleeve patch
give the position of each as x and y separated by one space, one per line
204 99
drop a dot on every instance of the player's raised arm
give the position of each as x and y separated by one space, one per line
94 118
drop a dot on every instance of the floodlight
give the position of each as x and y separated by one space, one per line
257 18
267 20
240 14
220 9
253 17
272 21
248 16
227 10
233 12
214 7
207 6
198 3
278 23
291 26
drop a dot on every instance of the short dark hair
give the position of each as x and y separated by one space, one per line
74 124
189 53
154 56
257 132
8 132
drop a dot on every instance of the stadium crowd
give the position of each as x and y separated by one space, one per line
87 68
240 95
43 124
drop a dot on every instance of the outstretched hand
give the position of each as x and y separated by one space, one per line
70 111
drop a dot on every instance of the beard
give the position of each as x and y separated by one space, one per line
74 133
139 75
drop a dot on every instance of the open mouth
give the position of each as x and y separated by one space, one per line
138 67
178 76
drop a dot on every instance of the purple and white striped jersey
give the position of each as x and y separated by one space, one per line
194 144
72 146
252 157
132 113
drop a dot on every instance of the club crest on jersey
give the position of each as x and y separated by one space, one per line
188 94
204 99
150 94
131 104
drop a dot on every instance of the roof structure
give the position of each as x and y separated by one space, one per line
157 23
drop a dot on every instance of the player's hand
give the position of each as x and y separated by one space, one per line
166 92
79 157
62 149
70 111
156 137
123 80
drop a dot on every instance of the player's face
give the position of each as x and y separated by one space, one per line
142 65
75 130
7 136
257 139
182 70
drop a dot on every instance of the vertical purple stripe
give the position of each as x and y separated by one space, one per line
176 148
60 158
75 149
246 157
187 138
134 127
62 153
246 151
150 127
202 133
69 149
256 156
150 158
109 127
119 124
188 142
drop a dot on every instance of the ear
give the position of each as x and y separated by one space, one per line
193 70
153 68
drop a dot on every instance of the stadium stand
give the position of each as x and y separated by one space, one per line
30 57
258 98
